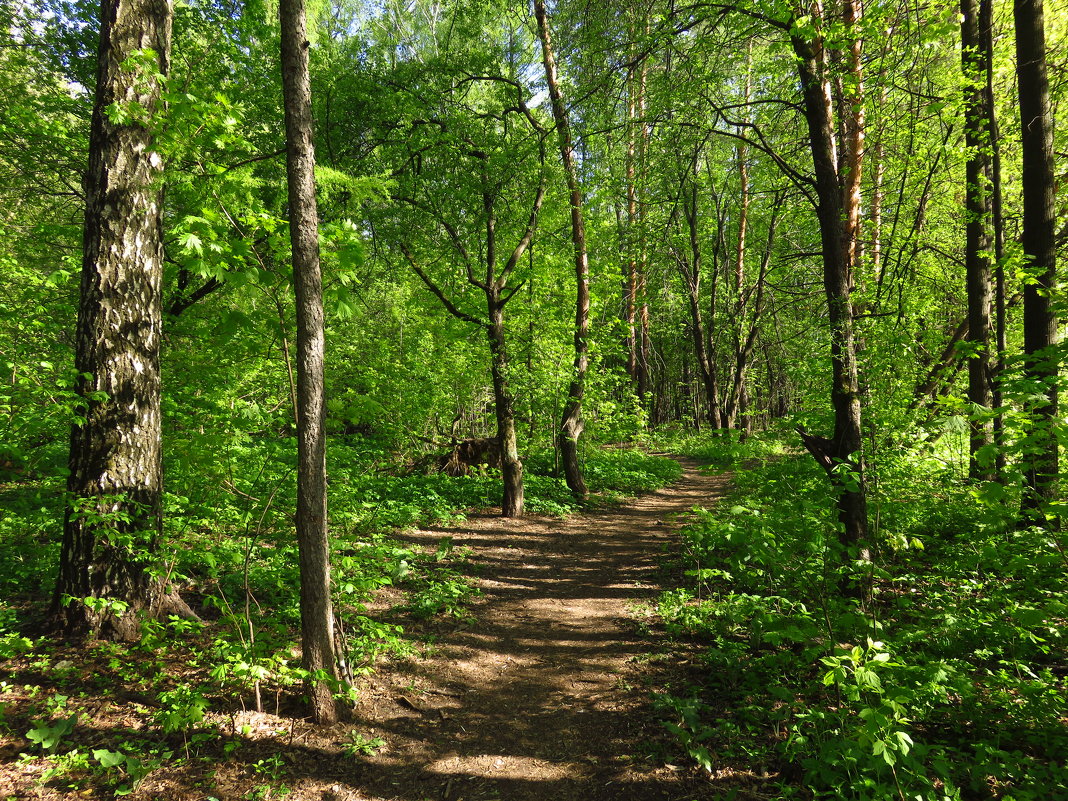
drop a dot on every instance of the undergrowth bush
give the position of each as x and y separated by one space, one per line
948 685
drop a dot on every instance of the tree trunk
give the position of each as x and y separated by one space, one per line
511 466
841 456
316 609
974 63
1039 217
738 396
986 31
690 270
734 392
644 343
630 279
571 423
114 522
853 123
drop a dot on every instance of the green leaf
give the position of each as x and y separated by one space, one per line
108 759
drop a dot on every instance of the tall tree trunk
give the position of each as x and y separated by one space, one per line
734 393
114 521
571 423
316 609
493 285
1039 216
644 344
974 63
742 158
853 114
986 32
842 453
691 274
630 279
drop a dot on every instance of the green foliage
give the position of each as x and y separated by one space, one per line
958 637
359 744
181 709
723 451
49 733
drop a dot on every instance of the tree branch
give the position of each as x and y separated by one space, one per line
434 288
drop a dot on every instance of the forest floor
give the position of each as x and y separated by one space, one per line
546 694
544 691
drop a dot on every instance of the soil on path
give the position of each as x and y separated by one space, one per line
546 695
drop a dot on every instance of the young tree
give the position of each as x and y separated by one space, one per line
113 520
316 609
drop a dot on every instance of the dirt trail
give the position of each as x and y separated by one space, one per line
545 696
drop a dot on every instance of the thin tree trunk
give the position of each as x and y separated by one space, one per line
733 400
493 286
114 522
854 118
630 280
644 343
986 31
571 423
974 64
742 156
316 609
878 196
1039 218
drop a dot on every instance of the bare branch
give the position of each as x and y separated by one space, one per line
438 293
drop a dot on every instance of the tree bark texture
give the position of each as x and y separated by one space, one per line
1039 218
113 522
316 608
841 456
978 241
571 423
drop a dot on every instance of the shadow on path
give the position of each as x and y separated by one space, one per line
545 696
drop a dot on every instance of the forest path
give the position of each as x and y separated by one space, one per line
545 696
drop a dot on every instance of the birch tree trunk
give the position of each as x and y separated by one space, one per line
113 522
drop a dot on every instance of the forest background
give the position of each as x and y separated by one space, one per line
833 226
